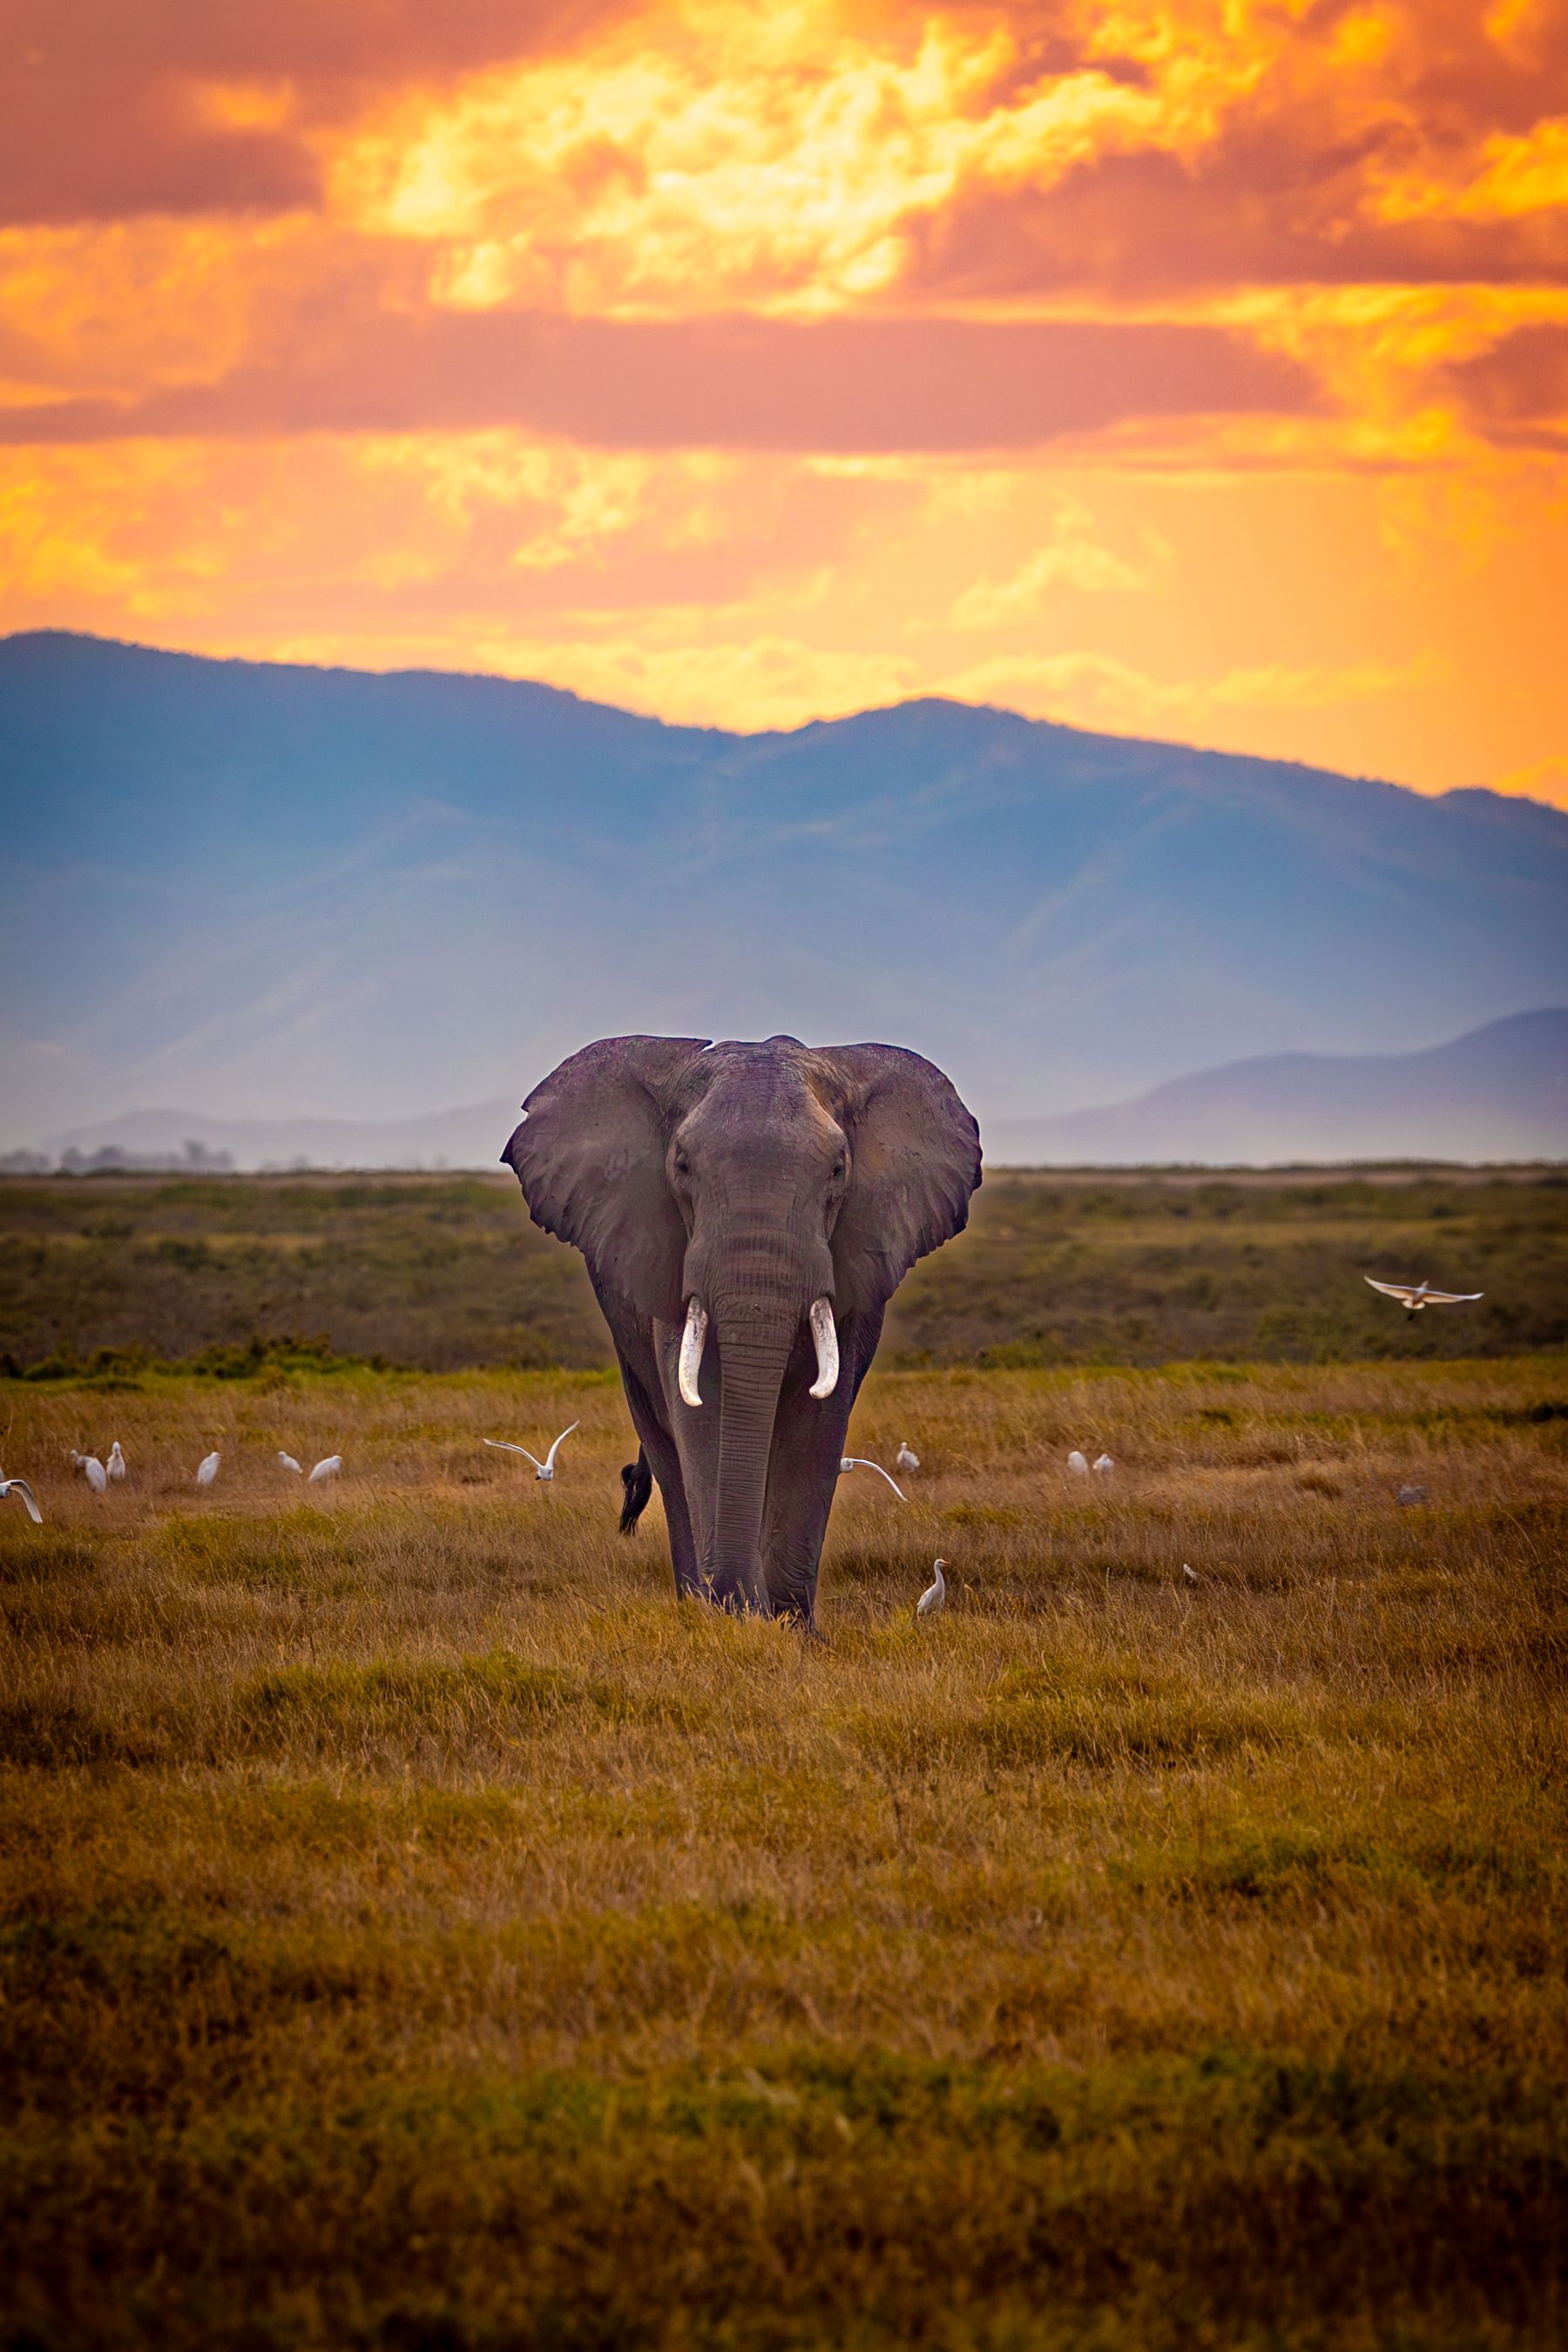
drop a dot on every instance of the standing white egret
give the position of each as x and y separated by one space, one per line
1189 1571
906 1458
1078 1464
545 1469
858 1462
934 1596
326 1468
1102 1462
20 1486
290 1463
92 1470
1413 1296
207 1470
116 1465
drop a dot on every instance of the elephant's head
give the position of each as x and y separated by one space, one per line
743 1196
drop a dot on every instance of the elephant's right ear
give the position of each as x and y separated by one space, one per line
590 1157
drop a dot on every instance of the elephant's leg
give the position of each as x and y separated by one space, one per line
809 1436
694 1432
640 1379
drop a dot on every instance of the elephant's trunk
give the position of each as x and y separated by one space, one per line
756 1331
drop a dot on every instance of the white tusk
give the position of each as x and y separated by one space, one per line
691 1343
826 1339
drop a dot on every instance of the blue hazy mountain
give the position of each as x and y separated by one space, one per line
257 889
1500 1093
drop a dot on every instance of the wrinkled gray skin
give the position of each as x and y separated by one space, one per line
755 1179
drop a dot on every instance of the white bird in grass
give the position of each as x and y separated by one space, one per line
1078 1464
906 1458
117 1464
207 1469
545 1469
1103 1461
1413 1297
92 1470
20 1486
327 1467
934 1596
290 1463
1189 1571
858 1462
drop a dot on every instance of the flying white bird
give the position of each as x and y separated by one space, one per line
1077 1463
1103 1461
545 1469
92 1470
20 1486
326 1468
906 1458
1413 1297
207 1469
858 1462
1189 1571
117 1464
934 1596
290 1463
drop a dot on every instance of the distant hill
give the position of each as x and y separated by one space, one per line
1500 1093
271 890
468 1137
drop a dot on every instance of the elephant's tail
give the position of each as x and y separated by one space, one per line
638 1480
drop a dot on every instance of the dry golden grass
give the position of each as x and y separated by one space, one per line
419 1932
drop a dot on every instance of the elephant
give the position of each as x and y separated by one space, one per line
747 1212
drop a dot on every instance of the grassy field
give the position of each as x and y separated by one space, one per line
446 1272
420 1933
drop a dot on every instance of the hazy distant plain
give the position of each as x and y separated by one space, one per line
443 1272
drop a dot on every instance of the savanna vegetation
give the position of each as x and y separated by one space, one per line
420 1933
1094 1269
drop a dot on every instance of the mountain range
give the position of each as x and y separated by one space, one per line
278 892
1500 1093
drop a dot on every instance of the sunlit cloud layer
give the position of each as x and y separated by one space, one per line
1186 369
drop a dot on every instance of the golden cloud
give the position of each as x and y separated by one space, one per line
1181 364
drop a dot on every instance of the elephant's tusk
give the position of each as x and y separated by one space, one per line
691 1344
826 1338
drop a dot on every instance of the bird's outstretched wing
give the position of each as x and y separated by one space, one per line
506 1447
20 1486
858 1462
1404 1291
1453 1297
550 1457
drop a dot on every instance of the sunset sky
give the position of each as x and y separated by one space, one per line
1164 366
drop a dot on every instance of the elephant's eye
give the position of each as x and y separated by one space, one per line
838 1171
682 1165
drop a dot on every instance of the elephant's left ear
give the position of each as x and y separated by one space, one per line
590 1157
916 1159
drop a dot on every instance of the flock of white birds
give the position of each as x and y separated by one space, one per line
101 1476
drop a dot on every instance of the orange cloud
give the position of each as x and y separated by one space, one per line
835 384
1193 365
